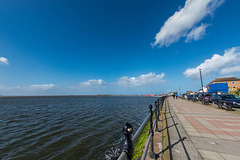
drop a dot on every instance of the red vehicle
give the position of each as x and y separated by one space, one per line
207 98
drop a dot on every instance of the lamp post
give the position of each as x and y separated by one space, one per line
200 71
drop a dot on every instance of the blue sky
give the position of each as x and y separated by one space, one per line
116 47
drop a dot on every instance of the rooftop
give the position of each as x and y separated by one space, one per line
226 79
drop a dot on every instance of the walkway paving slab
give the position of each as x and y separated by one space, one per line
180 144
212 133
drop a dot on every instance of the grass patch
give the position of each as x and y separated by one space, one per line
139 145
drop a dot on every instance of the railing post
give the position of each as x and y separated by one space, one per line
151 153
128 147
162 100
156 117
158 109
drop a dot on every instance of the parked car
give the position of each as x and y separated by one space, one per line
189 97
200 96
214 98
194 98
197 96
228 100
183 96
207 98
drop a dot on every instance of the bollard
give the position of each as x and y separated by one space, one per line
128 147
156 117
151 153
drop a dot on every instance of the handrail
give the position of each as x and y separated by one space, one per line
136 135
126 151
139 131
149 139
145 152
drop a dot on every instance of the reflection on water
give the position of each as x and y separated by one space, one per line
67 127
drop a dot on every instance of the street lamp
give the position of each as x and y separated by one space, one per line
200 71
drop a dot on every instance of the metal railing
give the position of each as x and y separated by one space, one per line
128 146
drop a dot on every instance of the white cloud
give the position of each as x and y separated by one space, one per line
16 87
92 82
228 70
9 88
42 86
142 80
4 60
184 20
197 33
221 65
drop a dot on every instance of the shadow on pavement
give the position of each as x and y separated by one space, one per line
180 140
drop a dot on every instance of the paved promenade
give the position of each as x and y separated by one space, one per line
202 131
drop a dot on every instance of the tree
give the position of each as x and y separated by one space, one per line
238 92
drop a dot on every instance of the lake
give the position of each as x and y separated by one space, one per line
86 127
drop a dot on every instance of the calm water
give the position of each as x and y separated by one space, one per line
67 127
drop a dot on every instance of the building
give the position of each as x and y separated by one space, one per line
203 89
232 82
189 92
218 88
172 93
152 95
